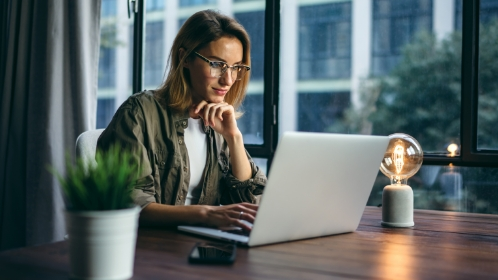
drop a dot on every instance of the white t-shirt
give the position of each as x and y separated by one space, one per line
196 142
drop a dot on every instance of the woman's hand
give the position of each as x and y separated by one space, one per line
156 214
220 116
231 215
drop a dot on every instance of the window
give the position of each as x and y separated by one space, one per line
251 124
184 3
395 22
108 8
115 63
105 111
363 67
154 55
487 138
107 64
320 112
254 23
325 41
450 188
154 5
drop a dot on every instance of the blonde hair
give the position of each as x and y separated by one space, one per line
198 31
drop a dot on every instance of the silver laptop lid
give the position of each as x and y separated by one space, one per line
318 185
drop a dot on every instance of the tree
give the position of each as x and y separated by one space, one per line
488 86
422 95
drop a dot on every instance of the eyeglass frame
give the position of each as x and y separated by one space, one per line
223 70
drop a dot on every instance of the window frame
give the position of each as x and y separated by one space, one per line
469 154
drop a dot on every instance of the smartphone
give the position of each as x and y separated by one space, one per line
212 252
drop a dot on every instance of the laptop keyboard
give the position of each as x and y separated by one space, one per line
239 232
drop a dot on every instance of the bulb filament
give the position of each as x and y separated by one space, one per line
398 158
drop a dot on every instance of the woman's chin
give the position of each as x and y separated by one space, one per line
216 99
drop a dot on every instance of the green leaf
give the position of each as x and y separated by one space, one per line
105 186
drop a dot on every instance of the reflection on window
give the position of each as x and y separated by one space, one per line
254 23
443 188
395 22
319 112
325 41
154 52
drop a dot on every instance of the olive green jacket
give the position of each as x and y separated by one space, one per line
154 135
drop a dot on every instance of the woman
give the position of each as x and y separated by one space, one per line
185 136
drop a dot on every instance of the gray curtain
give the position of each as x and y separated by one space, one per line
48 97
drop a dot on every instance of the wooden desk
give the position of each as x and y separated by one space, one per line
441 245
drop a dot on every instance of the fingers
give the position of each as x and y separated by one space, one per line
209 112
249 205
242 225
233 214
247 217
199 106
240 217
246 208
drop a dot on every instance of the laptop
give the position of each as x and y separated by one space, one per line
318 185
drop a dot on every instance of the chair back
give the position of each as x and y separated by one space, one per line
86 146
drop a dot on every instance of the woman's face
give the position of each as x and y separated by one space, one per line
203 85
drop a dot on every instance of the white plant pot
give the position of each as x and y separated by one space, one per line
102 243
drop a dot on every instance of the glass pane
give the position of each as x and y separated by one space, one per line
261 163
164 19
185 3
450 188
372 67
487 138
115 61
252 17
155 55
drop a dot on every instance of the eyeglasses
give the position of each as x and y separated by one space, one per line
218 68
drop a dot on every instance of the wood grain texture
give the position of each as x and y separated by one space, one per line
441 245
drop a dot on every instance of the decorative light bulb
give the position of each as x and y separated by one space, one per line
452 148
402 159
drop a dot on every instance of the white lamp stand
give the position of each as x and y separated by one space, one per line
397 206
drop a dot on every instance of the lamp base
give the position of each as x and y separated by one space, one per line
397 206
387 224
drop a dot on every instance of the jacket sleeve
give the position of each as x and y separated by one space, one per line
127 129
237 191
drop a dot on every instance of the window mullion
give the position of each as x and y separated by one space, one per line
470 41
138 39
272 67
271 83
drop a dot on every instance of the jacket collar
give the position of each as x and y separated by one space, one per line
180 119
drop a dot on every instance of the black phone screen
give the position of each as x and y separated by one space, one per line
211 252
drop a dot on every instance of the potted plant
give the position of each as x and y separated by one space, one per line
101 219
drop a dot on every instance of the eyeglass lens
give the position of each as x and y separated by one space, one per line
218 69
